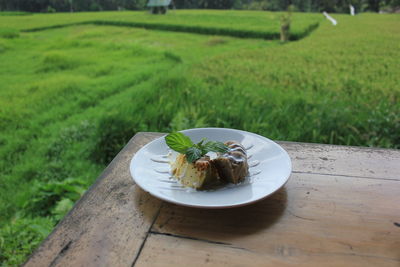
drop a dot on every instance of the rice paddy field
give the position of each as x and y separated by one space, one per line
74 88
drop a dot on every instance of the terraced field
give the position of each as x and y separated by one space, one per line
251 24
71 97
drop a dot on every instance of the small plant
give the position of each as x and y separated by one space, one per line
286 20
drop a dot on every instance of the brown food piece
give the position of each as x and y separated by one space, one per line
232 166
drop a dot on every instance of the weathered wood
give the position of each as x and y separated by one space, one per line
108 225
339 207
164 250
347 161
313 219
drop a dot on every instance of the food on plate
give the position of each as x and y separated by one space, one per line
207 164
197 175
232 166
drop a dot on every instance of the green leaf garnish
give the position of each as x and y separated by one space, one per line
182 144
178 142
216 147
193 154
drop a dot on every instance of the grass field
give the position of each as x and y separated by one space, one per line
71 97
232 23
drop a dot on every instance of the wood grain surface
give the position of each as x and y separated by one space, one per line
314 218
341 207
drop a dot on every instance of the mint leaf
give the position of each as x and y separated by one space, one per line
182 144
215 147
193 154
178 142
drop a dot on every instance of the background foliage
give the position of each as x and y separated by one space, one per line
273 5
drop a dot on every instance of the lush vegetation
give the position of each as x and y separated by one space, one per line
71 97
272 5
231 23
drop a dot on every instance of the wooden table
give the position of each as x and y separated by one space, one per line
341 207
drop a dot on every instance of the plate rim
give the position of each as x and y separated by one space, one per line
212 206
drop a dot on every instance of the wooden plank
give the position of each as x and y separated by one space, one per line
344 160
314 218
108 225
163 250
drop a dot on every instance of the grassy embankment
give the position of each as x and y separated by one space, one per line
251 24
70 98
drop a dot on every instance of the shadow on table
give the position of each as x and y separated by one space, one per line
217 224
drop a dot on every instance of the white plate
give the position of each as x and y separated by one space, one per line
270 168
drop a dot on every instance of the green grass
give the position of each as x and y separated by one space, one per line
71 97
253 24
